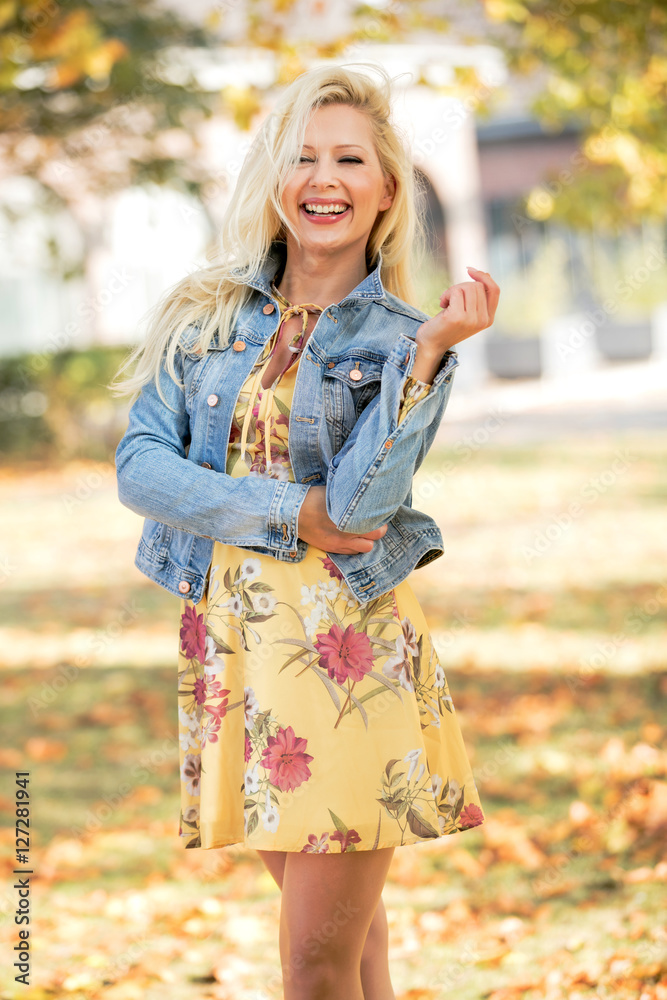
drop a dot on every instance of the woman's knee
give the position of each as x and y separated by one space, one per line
311 967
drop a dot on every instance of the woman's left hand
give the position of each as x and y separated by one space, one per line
467 308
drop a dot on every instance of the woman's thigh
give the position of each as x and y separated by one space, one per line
275 862
328 903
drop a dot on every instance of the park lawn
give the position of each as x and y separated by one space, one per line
559 893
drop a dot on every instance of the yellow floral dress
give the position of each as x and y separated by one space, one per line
307 721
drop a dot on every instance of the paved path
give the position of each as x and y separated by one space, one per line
619 397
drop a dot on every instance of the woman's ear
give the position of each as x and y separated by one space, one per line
389 193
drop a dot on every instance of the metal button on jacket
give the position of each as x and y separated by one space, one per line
268 308
184 586
356 374
212 399
206 465
239 345
331 364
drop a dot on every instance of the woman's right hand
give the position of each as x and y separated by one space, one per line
317 528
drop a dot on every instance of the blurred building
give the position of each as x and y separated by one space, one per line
475 171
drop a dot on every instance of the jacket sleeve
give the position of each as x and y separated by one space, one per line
157 480
371 476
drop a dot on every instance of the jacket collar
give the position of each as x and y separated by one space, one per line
370 287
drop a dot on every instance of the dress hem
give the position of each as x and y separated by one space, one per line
293 850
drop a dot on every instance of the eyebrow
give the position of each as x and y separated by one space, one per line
342 145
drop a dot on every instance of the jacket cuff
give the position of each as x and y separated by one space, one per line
284 516
402 356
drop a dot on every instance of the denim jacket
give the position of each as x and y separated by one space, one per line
343 433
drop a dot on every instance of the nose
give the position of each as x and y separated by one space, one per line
322 172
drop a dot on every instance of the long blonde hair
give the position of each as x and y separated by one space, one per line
211 297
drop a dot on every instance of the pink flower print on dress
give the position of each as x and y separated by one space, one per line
346 839
472 815
315 846
211 727
193 634
331 568
345 653
199 691
285 755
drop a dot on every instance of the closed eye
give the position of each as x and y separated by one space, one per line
343 159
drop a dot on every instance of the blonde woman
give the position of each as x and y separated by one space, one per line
284 398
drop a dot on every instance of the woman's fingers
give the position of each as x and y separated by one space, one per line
491 289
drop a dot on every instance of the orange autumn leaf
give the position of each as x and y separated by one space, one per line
40 749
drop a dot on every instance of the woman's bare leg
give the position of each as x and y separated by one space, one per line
327 962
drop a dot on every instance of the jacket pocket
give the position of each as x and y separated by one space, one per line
155 540
349 385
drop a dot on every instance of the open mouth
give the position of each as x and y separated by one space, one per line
328 216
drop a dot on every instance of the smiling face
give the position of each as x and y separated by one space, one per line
340 180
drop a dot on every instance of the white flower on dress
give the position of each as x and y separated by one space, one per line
250 570
263 603
187 720
412 756
191 773
313 621
454 790
309 594
398 667
270 817
191 814
251 706
213 663
235 605
410 636
251 779
436 715
436 785
441 822
279 471
329 588
188 742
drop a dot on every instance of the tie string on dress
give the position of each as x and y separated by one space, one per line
287 310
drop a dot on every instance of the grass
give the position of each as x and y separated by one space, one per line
558 894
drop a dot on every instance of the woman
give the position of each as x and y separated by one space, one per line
315 720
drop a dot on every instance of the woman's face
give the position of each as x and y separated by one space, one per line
338 167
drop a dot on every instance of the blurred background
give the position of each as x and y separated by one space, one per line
538 136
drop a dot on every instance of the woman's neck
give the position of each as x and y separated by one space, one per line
318 278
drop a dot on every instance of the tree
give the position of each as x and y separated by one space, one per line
606 70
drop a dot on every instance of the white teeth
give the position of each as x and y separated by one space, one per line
325 209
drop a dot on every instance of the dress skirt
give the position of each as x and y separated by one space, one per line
308 721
